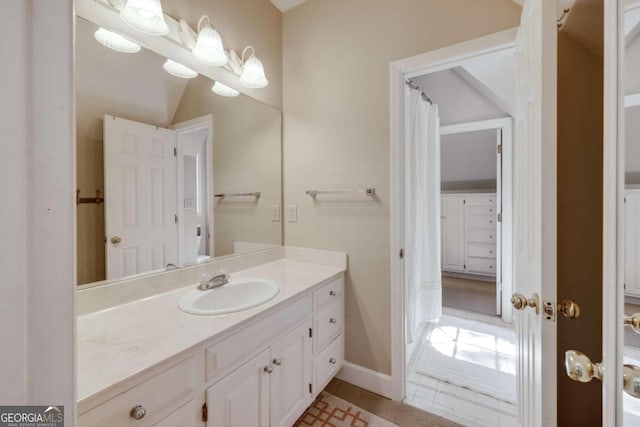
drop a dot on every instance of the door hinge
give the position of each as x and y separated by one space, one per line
205 412
310 388
175 152
401 254
175 218
310 333
499 217
499 148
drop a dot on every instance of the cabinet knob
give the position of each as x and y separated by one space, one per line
277 362
332 361
138 412
491 236
332 320
333 293
268 369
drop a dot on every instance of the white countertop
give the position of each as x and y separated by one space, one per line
119 342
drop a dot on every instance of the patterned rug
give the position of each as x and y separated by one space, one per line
330 411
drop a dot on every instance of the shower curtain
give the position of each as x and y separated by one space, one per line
423 282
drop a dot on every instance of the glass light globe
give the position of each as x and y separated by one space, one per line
179 70
115 41
224 90
145 16
209 49
253 74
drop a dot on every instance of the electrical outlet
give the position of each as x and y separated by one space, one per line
189 203
275 213
292 213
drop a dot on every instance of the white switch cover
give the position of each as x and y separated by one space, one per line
275 213
292 213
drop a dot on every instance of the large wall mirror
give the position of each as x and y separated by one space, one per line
169 173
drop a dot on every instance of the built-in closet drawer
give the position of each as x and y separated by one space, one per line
473 200
327 324
327 364
481 210
481 266
332 291
158 396
481 251
481 236
485 221
184 416
239 347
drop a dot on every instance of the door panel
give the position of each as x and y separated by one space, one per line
452 233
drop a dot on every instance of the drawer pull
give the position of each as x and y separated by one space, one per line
332 361
332 320
268 369
491 252
277 362
138 412
333 293
491 236
491 267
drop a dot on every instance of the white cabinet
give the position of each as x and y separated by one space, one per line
470 233
632 243
452 220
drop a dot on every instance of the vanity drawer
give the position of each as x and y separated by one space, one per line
159 396
481 221
481 236
239 347
329 292
481 266
186 415
327 324
327 364
481 251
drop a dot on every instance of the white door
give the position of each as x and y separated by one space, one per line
534 216
499 221
452 233
632 243
241 399
291 377
140 197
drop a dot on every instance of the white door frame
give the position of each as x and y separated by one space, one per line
613 211
401 70
505 252
202 122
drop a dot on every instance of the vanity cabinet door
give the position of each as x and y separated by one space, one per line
291 390
241 399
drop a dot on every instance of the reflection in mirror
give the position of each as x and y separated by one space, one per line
630 86
168 172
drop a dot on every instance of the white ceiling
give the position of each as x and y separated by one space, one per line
285 5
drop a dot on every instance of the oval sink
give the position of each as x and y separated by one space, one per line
237 295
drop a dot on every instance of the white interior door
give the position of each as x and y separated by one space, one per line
140 197
452 233
499 221
535 209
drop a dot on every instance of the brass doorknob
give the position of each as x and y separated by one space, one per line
520 302
631 380
633 320
580 368
569 309
115 240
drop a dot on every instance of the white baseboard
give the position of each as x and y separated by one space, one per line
365 378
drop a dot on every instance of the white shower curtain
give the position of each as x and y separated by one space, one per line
421 212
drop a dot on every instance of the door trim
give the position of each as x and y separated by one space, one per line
400 70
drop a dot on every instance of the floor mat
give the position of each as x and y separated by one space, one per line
331 411
471 354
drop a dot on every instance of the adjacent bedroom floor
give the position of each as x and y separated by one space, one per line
470 295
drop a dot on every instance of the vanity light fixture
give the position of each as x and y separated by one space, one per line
253 71
208 49
224 90
178 70
115 41
145 16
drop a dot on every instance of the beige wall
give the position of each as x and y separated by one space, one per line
246 158
242 23
336 105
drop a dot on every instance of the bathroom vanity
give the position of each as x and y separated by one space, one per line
149 363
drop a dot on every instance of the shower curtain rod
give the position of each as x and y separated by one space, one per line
416 87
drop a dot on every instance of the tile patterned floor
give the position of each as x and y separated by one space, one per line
458 404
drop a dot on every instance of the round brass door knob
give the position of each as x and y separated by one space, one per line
115 240
569 309
520 302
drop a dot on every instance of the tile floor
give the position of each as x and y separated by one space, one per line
458 404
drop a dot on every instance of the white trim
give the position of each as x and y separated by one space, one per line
368 379
476 126
400 70
613 209
632 100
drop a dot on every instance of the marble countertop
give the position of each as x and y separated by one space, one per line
122 341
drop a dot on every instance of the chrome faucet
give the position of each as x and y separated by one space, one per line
219 279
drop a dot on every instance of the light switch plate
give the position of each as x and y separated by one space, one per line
275 213
292 213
